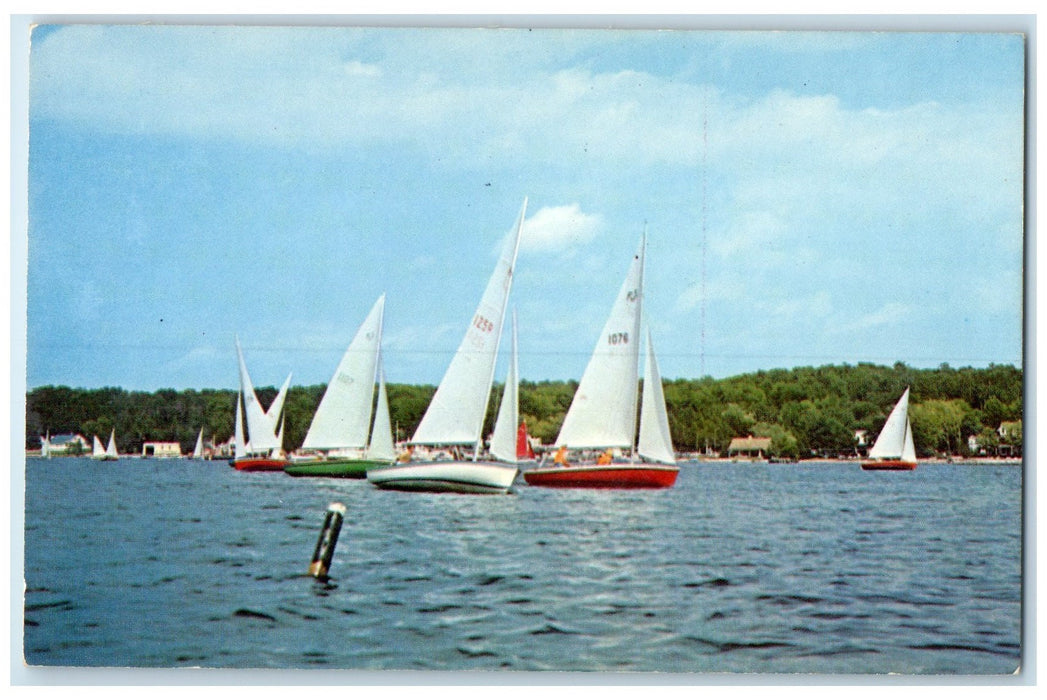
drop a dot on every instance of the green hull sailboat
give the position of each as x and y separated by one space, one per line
337 443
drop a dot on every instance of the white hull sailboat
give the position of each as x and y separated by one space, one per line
337 442
455 416
894 449
602 416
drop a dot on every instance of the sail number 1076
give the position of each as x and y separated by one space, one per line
618 338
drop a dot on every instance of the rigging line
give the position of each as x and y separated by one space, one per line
705 148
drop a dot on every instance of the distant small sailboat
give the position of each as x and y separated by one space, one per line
45 445
894 449
107 453
338 434
198 450
602 415
455 415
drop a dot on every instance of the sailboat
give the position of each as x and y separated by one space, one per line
455 415
264 450
894 449
104 454
198 449
602 415
337 442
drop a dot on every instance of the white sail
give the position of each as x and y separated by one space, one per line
45 445
655 444
603 411
275 410
909 450
198 450
891 442
278 450
259 427
455 415
381 446
97 450
110 449
344 413
240 448
503 441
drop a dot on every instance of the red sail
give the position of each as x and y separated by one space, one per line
523 445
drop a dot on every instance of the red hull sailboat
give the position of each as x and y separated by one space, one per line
602 415
894 449
610 476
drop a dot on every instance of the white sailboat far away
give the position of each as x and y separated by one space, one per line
263 450
602 415
894 449
456 413
337 442
104 454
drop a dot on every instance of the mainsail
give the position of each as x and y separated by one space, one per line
456 413
344 414
603 411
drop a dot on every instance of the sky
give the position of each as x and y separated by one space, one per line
809 198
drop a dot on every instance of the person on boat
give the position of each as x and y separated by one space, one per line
605 457
405 456
561 456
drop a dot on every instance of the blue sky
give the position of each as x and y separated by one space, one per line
851 197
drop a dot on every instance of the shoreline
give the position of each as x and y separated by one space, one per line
976 461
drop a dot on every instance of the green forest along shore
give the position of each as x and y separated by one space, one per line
806 412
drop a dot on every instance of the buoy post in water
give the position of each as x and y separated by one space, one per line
328 539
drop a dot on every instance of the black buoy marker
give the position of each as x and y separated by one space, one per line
328 539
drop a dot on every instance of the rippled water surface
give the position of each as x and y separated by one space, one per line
740 567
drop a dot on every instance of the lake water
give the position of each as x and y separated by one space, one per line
739 568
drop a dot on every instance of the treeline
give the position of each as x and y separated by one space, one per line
805 411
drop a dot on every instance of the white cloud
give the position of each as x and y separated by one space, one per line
555 229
